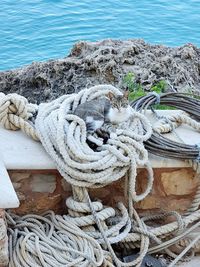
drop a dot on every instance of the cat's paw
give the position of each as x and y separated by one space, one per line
102 133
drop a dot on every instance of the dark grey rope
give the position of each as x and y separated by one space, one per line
158 144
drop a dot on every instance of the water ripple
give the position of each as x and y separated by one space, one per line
45 29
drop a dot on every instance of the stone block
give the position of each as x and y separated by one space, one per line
179 182
17 176
43 183
41 190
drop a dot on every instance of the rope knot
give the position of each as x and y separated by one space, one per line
15 111
12 108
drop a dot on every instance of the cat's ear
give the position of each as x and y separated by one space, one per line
126 93
110 95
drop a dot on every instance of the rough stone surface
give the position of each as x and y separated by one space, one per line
180 182
52 192
43 183
107 61
39 191
159 199
20 175
3 241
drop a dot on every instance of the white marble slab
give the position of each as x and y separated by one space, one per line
8 197
21 152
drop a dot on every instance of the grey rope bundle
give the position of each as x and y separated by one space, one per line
160 145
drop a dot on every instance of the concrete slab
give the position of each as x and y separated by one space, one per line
195 262
8 197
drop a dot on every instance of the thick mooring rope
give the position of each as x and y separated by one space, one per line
74 239
15 111
65 141
63 135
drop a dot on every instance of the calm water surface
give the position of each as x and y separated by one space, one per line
45 29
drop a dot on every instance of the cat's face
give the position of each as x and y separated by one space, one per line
119 103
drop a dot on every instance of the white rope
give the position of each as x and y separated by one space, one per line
14 113
50 241
63 135
170 122
184 251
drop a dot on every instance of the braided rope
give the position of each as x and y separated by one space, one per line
14 113
64 137
170 122
189 246
50 240
3 241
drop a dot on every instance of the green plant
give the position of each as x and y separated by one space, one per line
136 90
159 87
129 81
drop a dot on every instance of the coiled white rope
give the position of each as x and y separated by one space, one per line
64 137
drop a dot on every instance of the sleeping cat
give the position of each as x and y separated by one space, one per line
99 115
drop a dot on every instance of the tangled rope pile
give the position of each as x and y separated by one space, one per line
63 135
161 146
74 239
50 240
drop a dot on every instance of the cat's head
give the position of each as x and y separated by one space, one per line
119 102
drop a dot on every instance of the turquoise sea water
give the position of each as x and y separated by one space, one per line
45 29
